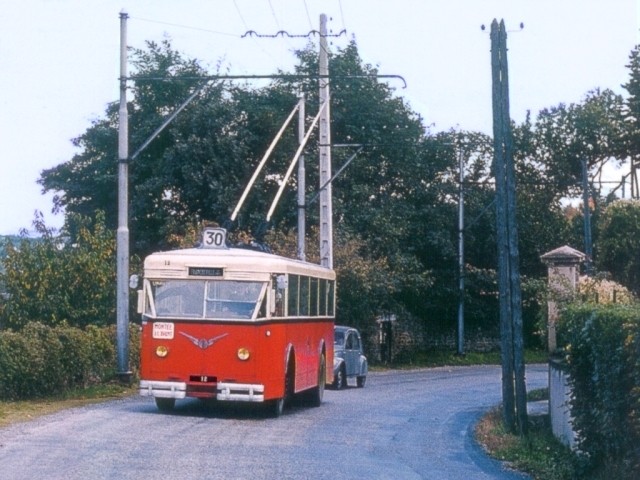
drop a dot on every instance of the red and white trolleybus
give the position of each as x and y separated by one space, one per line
235 324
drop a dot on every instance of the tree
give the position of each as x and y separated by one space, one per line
619 243
539 197
55 280
360 275
196 169
174 180
395 206
632 103
566 135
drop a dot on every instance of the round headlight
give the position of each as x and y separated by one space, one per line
243 353
162 351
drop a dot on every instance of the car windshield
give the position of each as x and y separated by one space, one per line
205 299
338 338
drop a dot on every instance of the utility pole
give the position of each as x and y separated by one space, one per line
122 237
326 214
461 254
301 184
588 244
513 374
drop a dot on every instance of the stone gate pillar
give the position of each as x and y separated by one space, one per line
563 266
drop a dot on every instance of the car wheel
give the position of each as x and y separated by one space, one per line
340 379
360 381
165 404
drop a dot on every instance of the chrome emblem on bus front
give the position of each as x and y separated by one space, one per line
203 343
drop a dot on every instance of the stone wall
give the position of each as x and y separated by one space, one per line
399 339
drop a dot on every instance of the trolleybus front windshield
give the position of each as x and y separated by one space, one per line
205 299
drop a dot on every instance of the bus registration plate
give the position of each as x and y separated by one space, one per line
163 330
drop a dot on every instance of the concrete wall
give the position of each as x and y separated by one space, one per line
559 411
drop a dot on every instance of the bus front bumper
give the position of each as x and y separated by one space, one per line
226 391
240 392
156 388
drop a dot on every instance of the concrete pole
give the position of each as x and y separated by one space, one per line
588 250
461 256
122 238
301 184
326 214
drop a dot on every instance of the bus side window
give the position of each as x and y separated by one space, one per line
313 297
331 294
280 285
293 296
304 296
322 298
262 313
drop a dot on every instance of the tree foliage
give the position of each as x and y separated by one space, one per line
631 138
395 206
195 170
55 280
566 135
360 275
619 243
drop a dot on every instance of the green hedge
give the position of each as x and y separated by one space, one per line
40 361
602 347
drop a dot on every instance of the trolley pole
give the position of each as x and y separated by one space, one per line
326 213
122 238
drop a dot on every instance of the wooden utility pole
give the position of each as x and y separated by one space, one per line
513 375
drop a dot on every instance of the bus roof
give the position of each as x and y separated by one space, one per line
176 263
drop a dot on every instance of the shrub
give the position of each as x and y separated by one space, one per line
41 361
601 343
20 365
602 290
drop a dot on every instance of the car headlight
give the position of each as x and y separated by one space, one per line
243 353
162 351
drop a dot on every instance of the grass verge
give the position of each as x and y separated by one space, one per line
25 410
449 358
539 454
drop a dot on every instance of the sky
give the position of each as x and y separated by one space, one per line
60 62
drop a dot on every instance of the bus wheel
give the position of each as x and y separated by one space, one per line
277 407
318 392
165 404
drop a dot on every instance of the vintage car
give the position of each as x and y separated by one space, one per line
349 361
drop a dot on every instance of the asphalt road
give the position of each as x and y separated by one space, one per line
403 425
